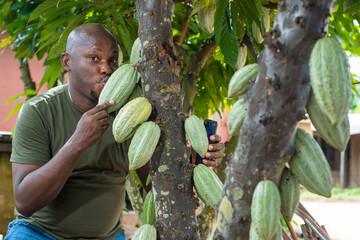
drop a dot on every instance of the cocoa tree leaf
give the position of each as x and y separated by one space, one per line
225 32
43 8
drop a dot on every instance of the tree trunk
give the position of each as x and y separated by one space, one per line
26 76
275 104
170 169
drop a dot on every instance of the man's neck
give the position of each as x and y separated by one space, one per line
82 103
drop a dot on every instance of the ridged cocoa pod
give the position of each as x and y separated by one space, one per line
310 166
149 208
265 209
256 30
290 193
130 117
119 86
206 18
242 54
255 236
137 92
120 56
145 232
135 55
330 79
337 136
240 82
236 117
143 144
196 133
208 185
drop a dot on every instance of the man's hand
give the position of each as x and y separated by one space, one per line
92 126
213 156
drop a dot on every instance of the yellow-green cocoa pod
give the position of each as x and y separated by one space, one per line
137 92
135 55
265 209
206 17
242 54
310 166
240 82
145 232
149 209
236 117
120 56
119 87
129 118
143 144
256 31
266 19
196 133
255 236
336 136
289 193
208 185
330 79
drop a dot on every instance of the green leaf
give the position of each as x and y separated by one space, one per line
43 8
225 35
14 110
219 19
28 92
148 180
52 72
60 45
123 31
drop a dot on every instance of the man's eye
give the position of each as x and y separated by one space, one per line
114 60
94 58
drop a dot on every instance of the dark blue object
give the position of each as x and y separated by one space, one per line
210 127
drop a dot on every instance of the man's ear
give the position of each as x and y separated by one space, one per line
65 61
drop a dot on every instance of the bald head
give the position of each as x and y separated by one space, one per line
86 32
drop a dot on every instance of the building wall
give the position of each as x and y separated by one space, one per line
354 165
11 84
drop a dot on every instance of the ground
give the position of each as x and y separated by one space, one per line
340 218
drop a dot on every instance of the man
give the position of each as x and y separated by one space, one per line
68 171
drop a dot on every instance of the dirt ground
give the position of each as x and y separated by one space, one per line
340 218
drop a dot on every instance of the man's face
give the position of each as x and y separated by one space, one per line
92 60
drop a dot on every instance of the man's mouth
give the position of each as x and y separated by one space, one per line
103 81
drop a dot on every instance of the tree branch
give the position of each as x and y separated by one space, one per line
194 64
184 27
250 46
26 76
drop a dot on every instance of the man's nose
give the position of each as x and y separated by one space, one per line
106 68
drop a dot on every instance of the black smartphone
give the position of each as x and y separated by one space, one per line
210 126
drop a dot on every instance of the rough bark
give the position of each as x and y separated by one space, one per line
170 170
26 76
275 104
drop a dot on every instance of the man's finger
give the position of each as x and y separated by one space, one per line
215 138
216 147
212 163
104 105
214 155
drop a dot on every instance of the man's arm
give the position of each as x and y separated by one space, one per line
36 186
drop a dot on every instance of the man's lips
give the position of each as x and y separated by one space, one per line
103 81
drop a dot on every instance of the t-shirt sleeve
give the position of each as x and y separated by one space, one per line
31 141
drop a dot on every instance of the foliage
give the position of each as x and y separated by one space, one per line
40 28
352 193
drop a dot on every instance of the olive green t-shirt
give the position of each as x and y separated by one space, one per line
90 203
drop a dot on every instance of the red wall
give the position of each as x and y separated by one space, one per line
11 84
